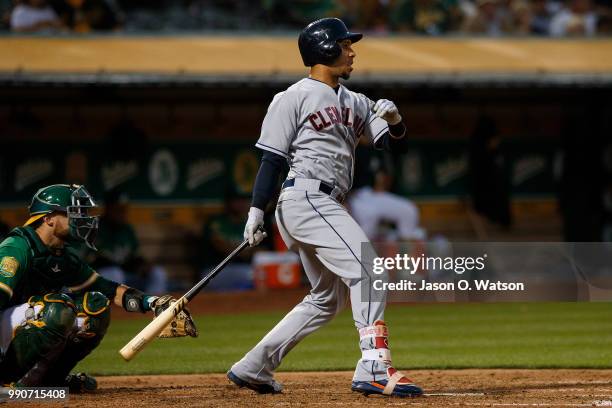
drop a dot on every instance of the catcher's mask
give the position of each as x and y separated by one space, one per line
76 202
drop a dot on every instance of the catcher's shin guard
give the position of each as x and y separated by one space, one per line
92 321
395 383
40 340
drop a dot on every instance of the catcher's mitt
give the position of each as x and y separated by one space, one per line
182 324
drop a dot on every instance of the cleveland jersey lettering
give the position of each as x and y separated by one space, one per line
317 130
332 116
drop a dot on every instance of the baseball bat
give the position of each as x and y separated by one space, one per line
151 331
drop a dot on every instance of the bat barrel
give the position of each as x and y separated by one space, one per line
152 330
158 324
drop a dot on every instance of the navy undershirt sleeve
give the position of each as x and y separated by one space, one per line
266 181
394 144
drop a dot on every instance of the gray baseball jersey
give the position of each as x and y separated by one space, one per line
317 130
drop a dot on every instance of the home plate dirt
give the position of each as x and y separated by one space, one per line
443 388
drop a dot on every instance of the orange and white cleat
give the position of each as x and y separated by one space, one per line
396 383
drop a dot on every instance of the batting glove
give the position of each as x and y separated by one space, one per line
386 110
252 232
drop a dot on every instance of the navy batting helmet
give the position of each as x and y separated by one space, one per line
318 42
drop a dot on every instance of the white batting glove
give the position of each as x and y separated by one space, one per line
251 230
386 110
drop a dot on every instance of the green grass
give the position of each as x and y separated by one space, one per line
536 335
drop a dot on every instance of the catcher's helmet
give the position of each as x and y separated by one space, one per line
318 42
73 200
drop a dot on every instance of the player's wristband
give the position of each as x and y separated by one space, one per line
136 301
398 130
147 302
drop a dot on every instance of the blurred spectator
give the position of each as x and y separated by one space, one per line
235 15
298 13
385 216
467 8
305 11
30 16
578 18
433 17
491 19
488 183
456 13
521 17
221 235
372 15
541 17
83 16
118 256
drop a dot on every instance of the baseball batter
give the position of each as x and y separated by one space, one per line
314 126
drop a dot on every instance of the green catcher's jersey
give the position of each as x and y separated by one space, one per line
28 267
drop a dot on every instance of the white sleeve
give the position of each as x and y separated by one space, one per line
375 127
280 125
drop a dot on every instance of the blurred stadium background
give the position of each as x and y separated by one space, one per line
156 106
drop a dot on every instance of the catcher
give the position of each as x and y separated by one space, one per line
54 308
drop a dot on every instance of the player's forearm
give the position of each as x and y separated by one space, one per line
119 295
97 283
266 181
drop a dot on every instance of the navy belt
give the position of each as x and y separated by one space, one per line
323 187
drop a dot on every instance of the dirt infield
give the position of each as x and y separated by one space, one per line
448 388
